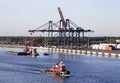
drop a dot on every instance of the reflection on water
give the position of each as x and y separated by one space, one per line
84 69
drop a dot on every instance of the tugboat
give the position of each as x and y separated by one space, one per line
26 51
58 70
30 51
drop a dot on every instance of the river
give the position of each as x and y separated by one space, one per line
83 68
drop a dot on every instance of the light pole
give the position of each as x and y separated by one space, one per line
88 40
110 38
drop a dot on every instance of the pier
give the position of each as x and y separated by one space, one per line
92 52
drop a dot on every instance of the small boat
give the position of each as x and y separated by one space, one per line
46 53
58 70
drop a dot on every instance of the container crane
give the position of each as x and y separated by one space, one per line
65 28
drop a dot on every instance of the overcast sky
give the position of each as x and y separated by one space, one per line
19 16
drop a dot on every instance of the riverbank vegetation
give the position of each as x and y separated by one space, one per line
41 41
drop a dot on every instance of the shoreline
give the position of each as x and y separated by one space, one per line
113 53
12 46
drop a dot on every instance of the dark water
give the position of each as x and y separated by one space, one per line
84 69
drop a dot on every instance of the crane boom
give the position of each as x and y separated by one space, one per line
62 18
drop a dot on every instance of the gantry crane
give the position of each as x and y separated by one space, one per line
67 27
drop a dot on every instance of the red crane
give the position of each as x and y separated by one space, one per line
28 46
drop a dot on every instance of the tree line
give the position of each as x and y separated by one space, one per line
22 40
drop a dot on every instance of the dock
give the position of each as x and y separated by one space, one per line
92 52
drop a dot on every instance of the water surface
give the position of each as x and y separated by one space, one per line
84 68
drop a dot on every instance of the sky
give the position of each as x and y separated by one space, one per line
19 16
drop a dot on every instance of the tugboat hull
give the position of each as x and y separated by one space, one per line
20 53
62 73
17 53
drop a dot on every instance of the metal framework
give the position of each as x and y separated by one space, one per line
66 38
68 33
